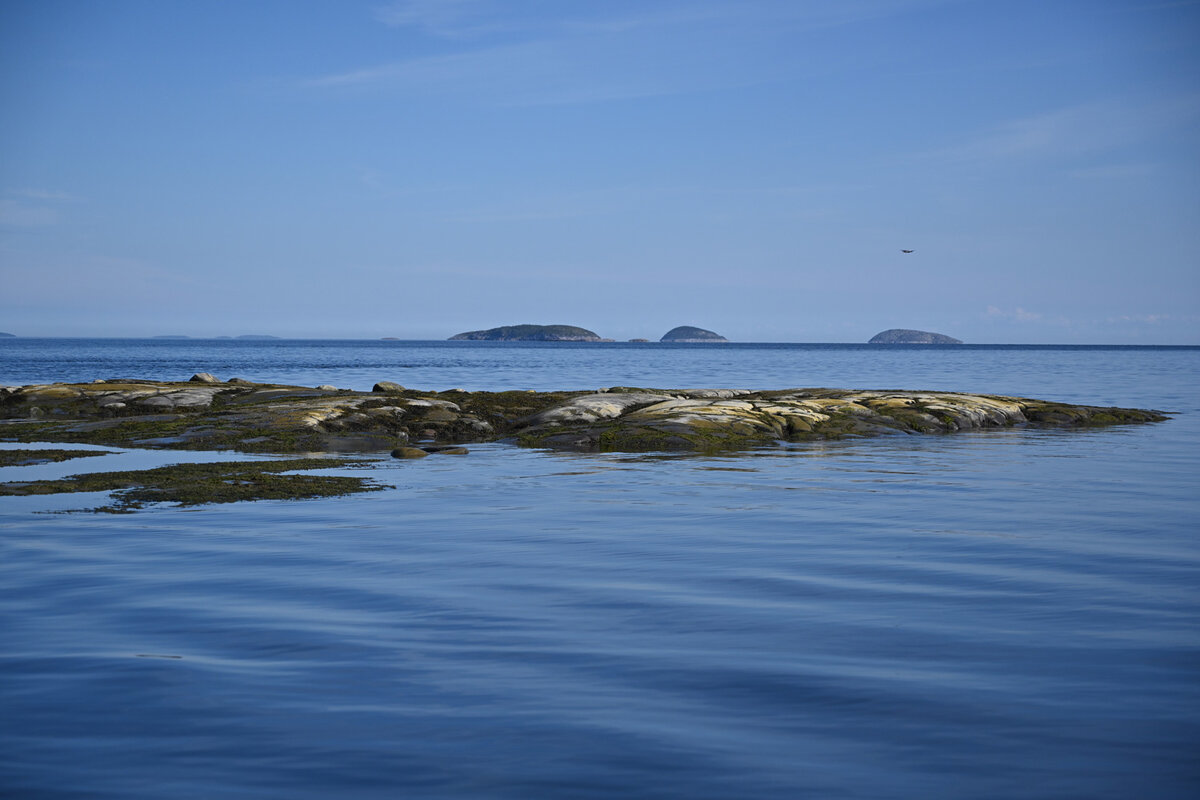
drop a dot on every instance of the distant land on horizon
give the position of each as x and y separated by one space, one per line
909 336
689 333
531 333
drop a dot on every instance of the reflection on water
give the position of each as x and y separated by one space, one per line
994 614
1007 615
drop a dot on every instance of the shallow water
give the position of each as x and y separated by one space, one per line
999 614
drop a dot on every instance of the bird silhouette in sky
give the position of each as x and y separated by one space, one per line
908 251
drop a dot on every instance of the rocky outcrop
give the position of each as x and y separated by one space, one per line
530 333
274 418
687 333
906 336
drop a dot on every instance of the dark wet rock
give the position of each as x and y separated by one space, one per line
906 336
409 452
446 450
688 333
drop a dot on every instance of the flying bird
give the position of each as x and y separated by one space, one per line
907 251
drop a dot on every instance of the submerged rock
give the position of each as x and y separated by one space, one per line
409 452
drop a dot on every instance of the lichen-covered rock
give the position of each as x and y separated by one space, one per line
290 419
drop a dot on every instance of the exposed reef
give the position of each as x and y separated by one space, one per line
270 418
906 336
24 458
530 333
196 484
688 333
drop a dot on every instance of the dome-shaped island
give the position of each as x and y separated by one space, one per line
688 333
906 336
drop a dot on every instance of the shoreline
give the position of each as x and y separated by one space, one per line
207 414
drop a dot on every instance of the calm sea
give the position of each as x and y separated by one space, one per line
1009 614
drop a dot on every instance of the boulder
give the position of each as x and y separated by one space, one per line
385 386
204 377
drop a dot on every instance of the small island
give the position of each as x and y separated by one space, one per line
206 413
691 334
530 333
907 336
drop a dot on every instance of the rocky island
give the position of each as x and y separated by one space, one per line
208 414
906 336
690 334
530 333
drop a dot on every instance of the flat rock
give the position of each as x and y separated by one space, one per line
291 419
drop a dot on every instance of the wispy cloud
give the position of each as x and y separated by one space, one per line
452 19
586 53
1017 314
32 208
465 19
1142 319
549 72
1077 130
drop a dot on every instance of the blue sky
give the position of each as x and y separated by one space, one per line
424 167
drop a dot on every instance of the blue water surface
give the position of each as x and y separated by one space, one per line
995 614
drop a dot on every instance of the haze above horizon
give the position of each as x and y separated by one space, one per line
420 168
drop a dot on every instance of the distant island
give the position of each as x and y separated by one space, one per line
252 336
688 333
906 336
171 336
530 333
2 333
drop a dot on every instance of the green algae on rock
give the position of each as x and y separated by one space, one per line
25 458
272 418
197 484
